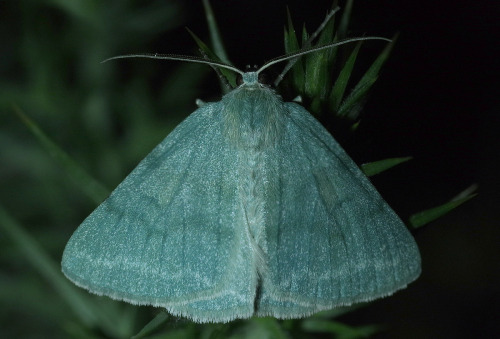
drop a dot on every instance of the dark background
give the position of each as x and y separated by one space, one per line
436 100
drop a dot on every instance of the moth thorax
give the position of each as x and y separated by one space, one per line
253 118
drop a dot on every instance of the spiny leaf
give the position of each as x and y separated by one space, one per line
292 45
91 187
291 41
344 20
348 107
214 33
422 218
377 167
319 65
305 35
338 90
229 75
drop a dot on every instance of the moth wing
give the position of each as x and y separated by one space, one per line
336 241
169 234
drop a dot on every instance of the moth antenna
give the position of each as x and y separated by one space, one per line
315 49
176 57
307 44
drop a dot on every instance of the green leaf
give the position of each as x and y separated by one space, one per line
215 36
291 41
348 108
355 126
305 35
422 218
344 20
338 90
229 75
292 45
150 327
91 187
377 167
319 65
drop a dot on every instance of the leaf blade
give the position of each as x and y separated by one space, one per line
90 186
337 93
215 35
348 106
380 166
229 75
426 216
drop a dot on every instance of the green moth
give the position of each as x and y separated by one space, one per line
248 208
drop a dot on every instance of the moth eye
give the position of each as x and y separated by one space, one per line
239 80
265 79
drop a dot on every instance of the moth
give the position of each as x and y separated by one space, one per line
248 208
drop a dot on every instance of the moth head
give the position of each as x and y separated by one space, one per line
252 77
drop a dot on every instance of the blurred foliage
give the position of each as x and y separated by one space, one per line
104 117
97 121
